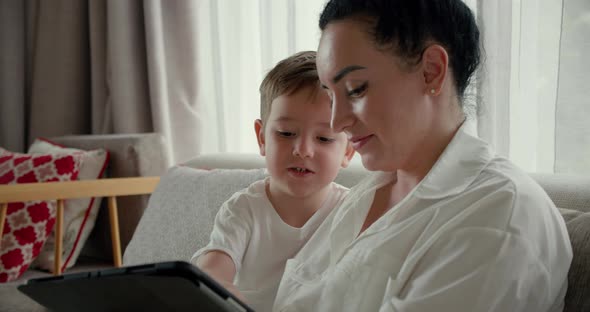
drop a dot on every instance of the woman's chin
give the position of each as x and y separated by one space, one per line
374 162
370 162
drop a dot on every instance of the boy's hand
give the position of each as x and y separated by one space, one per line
220 267
232 288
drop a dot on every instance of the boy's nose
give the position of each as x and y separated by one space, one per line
303 148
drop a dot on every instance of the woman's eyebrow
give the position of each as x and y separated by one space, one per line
345 71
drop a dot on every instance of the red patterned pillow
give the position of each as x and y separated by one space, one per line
28 225
79 214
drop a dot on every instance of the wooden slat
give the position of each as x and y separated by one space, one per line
77 189
59 230
115 239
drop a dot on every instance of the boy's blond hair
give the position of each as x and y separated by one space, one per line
287 77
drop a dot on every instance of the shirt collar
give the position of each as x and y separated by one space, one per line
457 167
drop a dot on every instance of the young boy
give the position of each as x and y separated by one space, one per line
260 227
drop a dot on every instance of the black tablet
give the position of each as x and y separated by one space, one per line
166 286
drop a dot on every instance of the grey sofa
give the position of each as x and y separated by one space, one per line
180 213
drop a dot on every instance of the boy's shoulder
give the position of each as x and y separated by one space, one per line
255 191
336 195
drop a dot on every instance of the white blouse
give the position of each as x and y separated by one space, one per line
477 234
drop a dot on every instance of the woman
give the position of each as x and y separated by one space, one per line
443 224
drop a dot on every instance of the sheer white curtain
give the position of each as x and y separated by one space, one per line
239 41
533 99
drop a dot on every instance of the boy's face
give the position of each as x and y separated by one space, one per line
303 154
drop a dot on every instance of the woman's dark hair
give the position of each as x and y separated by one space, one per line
407 26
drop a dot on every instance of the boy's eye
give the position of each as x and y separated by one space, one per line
325 139
357 92
285 134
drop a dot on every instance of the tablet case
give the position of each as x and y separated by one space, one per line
167 286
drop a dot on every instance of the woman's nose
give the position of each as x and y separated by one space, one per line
341 115
303 147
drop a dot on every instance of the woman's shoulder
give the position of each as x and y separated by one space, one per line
504 174
511 203
508 191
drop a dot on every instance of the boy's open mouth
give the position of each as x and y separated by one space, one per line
299 170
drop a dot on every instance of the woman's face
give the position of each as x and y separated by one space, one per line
382 106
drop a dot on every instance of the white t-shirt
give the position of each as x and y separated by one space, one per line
477 234
250 231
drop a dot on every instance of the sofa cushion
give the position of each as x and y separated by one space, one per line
578 293
180 213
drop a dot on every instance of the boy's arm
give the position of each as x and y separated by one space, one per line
221 258
220 267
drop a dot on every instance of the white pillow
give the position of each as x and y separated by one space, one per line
79 214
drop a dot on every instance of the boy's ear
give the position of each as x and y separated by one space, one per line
260 135
348 153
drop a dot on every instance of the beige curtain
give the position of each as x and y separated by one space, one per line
98 67
12 75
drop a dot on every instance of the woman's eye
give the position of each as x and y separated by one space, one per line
325 139
357 92
285 134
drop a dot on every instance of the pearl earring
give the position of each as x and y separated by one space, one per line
432 91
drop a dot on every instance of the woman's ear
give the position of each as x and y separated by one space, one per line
348 153
435 63
260 135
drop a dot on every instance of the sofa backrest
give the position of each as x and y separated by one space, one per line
566 191
347 177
